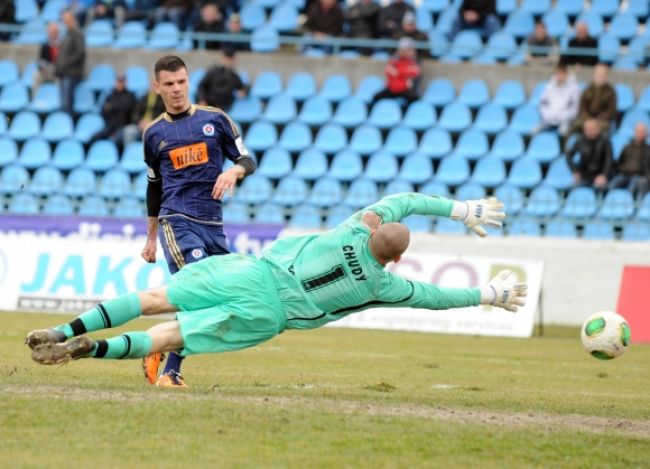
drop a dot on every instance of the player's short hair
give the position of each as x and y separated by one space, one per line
168 63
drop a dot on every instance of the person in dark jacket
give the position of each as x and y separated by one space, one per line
362 19
211 21
391 16
146 109
632 170
324 19
7 16
220 83
598 101
70 61
479 15
116 111
595 156
582 49
47 56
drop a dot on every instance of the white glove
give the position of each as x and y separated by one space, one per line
474 213
503 292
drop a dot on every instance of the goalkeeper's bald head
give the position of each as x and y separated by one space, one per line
389 241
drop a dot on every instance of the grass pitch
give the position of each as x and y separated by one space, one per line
332 398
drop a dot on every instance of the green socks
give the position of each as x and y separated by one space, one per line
111 313
129 345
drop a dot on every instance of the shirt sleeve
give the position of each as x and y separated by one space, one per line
397 292
232 142
150 159
398 206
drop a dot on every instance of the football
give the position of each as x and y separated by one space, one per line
606 335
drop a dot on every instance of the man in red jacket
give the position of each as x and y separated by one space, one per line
402 73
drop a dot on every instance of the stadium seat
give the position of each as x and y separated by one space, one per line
536 94
524 226
351 112
33 32
436 143
280 109
559 175
643 212
45 181
469 191
311 165
301 86
438 43
446 20
385 114
337 215
472 144
101 77
246 110
491 119
598 230
368 87
99 33
8 72
435 188
525 173
381 167
87 126
84 99
266 85
449 227
624 97
27 74
306 217
129 207
474 93
525 119
556 22
93 206
536 7
489 172
275 163
416 168
544 147
617 206
80 182
440 92
418 223
510 94
165 35
508 145
543 202
346 166
605 8
57 205
420 115
361 193
47 99
327 192
336 88
13 179
57 126
316 111
624 26
453 171
291 191
636 231
500 47
102 156
580 203
520 24
236 213
265 39
639 8
455 117
261 136
434 6
23 203
608 48
132 160
295 137
255 190
560 228
14 97
593 20
115 184
35 153
631 118
512 198
284 18
252 16
401 141
132 35
8 151
331 138
69 154
466 44
137 79
398 186
140 186
269 213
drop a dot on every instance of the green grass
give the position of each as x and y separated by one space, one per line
333 398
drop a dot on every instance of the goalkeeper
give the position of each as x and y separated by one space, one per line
235 301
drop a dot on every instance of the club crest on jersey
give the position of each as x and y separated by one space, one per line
208 130
197 253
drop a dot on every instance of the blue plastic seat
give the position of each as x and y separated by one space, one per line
32 32
466 44
643 213
536 7
572 8
58 204
544 147
491 119
470 191
255 190
594 22
306 217
543 202
101 77
508 145
69 154
512 198
420 115
636 231
13 179
632 117
617 206
474 93
489 172
416 168
311 165
453 171
84 99
102 156
361 193
275 163
265 39
350 112
510 94
401 141
140 186
80 182
35 153
14 97
501 46
525 173
261 136
560 228
252 16
327 192
337 215
580 203
559 175
385 114
301 86
236 213
269 213
137 79
93 206
280 109
434 6
295 137
624 26
608 48
598 230
624 97
331 138
8 151
520 24
525 119
87 126
266 85
115 184
45 181
246 110
290 191
316 111
455 117
57 126
23 203
8 72
436 143
336 88
46 100
524 226
605 8
284 18
165 35
25 125
449 227
129 207
381 167
440 92
132 35
398 186
99 33
418 223
132 160
472 144
556 22
639 8
368 87
434 187
346 166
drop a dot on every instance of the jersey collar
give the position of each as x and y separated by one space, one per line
182 115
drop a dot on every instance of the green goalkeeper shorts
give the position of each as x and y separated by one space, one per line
226 303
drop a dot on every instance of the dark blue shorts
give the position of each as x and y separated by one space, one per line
185 241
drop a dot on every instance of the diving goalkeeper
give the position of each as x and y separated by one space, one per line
235 301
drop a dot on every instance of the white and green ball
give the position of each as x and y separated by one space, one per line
605 335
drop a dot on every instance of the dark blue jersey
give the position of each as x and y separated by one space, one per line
188 153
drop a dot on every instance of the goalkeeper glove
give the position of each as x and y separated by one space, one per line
504 292
474 213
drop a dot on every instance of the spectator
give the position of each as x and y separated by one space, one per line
595 151
409 29
114 10
71 60
116 111
362 19
391 16
234 27
7 16
402 74
583 49
47 56
146 109
540 43
211 21
324 19
479 15
220 83
598 101
141 10
632 170
559 101
176 11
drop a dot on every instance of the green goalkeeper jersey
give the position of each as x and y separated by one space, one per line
324 277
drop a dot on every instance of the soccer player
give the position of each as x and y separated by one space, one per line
231 302
185 149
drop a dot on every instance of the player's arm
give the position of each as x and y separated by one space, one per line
234 149
473 213
154 201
